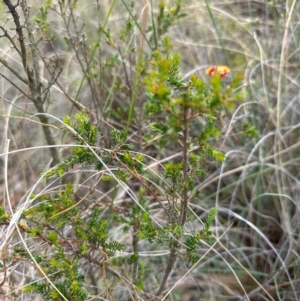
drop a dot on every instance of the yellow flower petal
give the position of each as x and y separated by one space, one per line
222 70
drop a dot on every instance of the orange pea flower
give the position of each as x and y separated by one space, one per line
222 70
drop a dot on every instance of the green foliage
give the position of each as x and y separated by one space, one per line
122 213
250 130
86 131
168 93
4 216
62 266
173 105
205 234
41 21
166 17
78 231
85 134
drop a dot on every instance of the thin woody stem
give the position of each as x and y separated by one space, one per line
175 242
33 75
185 167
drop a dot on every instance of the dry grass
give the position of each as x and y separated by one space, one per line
256 254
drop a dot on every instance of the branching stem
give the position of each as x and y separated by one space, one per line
33 75
175 242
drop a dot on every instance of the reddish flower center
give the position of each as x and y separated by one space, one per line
222 70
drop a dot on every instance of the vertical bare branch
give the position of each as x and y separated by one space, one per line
16 17
32 69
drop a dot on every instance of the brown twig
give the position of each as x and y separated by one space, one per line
184 205
33 76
